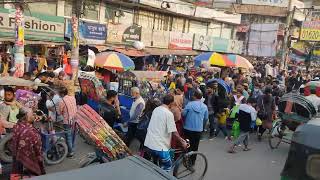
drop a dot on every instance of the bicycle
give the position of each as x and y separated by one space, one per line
183 166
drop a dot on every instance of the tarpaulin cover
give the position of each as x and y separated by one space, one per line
130 168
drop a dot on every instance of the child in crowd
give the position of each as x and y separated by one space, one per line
222 116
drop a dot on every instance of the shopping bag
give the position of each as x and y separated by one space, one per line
235 132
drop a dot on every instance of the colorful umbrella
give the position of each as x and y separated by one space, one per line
114 60
240 61
214 59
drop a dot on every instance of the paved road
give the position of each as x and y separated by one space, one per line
260 163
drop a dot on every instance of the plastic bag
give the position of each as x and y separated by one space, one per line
235 132
234 111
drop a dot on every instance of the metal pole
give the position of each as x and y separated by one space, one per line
285 49
19 41
76 12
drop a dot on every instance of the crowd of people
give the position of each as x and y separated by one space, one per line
195 103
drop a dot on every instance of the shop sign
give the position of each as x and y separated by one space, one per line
202 42
279 3
89 33
123 33
310 31
235 47
180 41
220 44
160 39
37 27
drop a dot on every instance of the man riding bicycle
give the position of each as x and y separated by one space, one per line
160 131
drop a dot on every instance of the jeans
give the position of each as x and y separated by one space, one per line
212 121
223 128
69 138
244 137
132 128
164 158
194 138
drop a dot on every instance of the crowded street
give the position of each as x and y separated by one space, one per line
160 90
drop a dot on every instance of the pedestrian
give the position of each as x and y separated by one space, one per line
112 111
246 115
211 100
265 107
196 115
26 146
68 110
135 112
222 115
161 129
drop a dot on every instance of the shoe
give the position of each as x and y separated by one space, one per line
246 149
70 155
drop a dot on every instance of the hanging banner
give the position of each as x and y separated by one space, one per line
123 33
37 27
157 38
201 42
235 47
89 33
180 41
310 31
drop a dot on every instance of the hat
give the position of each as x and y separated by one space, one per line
245 84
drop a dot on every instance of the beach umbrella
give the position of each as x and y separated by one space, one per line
240 61
214 59
15 81
114 61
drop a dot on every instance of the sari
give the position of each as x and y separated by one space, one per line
27 149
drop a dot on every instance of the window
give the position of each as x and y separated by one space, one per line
48 8
68 8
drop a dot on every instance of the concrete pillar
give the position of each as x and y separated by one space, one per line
102 12
60 8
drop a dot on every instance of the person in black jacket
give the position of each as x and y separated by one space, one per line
211 100
246 115
111 109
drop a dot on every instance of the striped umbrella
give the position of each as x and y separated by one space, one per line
114 60
240 61
214 59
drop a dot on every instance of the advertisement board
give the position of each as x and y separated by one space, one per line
220 44
310 31
279 3
180 41
89 33
123 33
201 42
235 47
36 27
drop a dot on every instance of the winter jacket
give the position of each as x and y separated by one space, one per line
196 114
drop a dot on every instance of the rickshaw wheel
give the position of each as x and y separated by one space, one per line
275 135
57 153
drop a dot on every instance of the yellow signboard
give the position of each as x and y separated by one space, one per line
310 31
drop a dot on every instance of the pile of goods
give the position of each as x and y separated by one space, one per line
98 132
27 99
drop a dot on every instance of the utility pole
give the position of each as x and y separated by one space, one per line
19 40
285 49
76 13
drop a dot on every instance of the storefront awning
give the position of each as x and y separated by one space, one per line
130 52
33 42
160 52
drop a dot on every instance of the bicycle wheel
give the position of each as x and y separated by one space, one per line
192 165
275 135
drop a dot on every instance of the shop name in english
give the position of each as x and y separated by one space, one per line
29 24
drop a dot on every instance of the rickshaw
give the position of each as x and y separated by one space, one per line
303 161
294 110
149 83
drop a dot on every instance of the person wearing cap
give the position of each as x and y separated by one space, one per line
135 112
245 90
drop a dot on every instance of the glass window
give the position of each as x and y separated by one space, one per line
48 8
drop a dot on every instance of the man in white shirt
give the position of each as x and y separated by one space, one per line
160 131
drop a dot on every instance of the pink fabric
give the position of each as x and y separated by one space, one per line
68 108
